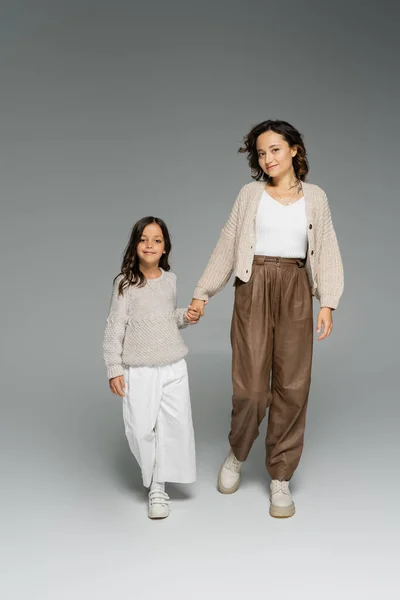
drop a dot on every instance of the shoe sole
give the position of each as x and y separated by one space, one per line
158 517
282 512
225 490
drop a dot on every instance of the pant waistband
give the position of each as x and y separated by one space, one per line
259 260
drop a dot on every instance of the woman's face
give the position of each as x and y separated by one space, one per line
275 156
151 245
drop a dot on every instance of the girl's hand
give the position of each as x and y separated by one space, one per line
117 385
192 315
198 305
325 320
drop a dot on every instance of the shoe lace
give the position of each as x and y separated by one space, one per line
158 497
232 463
278 485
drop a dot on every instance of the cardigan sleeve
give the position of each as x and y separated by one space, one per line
115 331
221 263
330 276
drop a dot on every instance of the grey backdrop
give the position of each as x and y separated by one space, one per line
114 110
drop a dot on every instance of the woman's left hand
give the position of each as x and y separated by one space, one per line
324 320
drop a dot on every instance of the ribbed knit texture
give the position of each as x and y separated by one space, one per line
143 325
281 230
236 246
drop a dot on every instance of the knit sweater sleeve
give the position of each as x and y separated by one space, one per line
179 312
115 331
330 269
180 318
221 263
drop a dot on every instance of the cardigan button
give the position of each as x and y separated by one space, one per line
247 270
312 252
310 226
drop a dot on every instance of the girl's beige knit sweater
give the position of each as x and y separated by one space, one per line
142 326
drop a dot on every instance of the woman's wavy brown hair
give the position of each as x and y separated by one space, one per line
132 275
290 134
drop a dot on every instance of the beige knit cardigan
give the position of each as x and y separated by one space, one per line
234 251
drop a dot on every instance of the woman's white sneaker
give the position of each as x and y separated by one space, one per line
281 503
229 474
158 504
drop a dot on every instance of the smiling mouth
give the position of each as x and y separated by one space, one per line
271 167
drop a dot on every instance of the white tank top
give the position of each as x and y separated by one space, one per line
281 230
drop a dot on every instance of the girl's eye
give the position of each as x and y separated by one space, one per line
158 241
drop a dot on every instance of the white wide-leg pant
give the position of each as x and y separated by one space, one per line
158 422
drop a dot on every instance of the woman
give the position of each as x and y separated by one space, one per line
280 241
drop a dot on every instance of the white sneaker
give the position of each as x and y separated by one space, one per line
158 504
229 474
281 503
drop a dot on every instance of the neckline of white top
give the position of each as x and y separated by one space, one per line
280 203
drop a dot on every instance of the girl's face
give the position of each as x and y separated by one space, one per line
275 156
151 246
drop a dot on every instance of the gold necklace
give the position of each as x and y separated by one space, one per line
299 188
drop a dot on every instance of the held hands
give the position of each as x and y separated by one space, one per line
195 311
324 320
198 305
192 315
117 385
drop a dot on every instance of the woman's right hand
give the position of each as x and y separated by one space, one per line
117 385
198 305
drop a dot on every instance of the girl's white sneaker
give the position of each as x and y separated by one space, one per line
281 503
158 504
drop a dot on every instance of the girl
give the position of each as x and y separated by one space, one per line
144 356
280 241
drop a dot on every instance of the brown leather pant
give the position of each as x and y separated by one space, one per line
272 339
